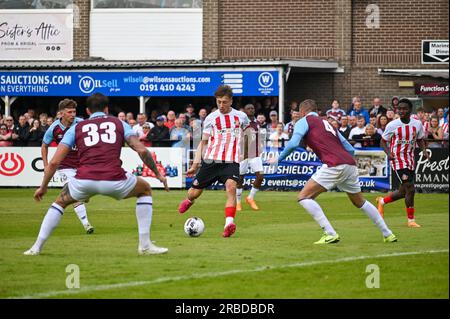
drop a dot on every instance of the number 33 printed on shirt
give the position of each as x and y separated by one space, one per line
109 135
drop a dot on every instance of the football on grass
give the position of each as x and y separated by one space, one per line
194 226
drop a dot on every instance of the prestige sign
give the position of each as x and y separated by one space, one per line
36 36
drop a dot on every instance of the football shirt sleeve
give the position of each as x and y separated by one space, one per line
348 147
300 130
48 136
69 137
387 134
420 132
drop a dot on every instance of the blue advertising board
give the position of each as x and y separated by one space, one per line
300 165
186 83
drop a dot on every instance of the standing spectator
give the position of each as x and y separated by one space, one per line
153 116
9 121
358 110
293 107
278 137
370 137
5 136
32 115
373 119
190 111
132 122
195 128
22 131
381 124
377 108
184 120
43 122
352 121
335 124
141 120
434 132
440 114
390 114
289 127
345 128
358 130
129 116
49 121
144 138
171 117
159 134
36 134
179 133
394 103
202 114
335 112
272 126
121 116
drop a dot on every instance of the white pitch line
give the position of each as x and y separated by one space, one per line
218 274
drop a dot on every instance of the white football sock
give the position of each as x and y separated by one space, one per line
238 194
80 210
381 201
317 213
374 215
228 220
144 213
51 220
253 192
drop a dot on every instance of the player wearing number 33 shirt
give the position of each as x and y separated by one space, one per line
99 141
338 171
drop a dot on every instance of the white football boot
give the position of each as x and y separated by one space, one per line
152 250
31 252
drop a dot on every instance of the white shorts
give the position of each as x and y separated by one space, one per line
82 189
255 165
344 177
66 174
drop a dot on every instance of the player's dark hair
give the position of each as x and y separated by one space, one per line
309 105
407 102
67 104
97 102
224 90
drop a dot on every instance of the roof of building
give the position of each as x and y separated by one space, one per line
150 64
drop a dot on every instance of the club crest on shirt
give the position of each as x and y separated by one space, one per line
195 182
404 177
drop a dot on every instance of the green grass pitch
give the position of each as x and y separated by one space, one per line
270 256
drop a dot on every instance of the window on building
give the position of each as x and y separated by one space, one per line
132 4
35 4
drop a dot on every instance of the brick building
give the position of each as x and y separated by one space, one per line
324 49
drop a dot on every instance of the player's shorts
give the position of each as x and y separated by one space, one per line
213 172
255 165
405 175
344 177
82 189
66 174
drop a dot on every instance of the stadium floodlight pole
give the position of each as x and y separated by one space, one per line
8 100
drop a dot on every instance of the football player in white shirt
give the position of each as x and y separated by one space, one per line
219 154
402 135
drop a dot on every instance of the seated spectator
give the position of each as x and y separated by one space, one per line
352 121
195 128
390 114
184 120
36 134
5 136
377 108
370 138
278 137
22 131
171 117
9 122
440 114
132 122
335 124
180 133
381 124
358 130
358 110
159 135
335 112
144 137
345 128
434 132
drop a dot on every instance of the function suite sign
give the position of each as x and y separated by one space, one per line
36 36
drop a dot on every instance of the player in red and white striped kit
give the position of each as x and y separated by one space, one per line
221 145
402 135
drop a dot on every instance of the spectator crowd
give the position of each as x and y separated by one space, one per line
361 126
